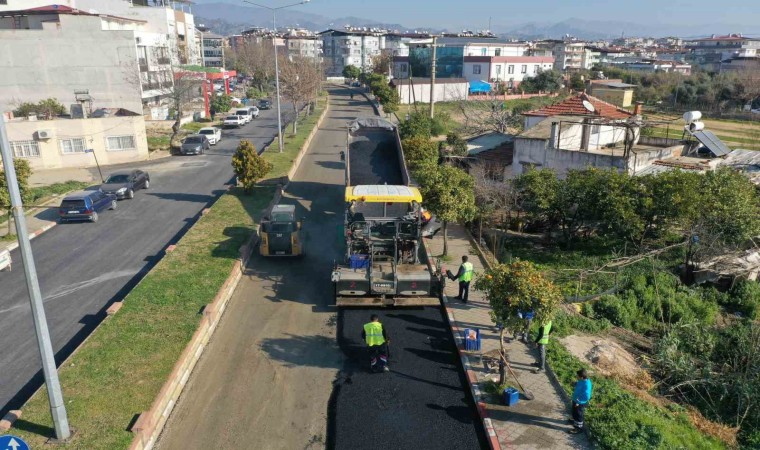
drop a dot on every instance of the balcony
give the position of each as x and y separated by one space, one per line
164 60
143 64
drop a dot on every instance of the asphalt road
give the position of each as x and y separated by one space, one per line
84 267
283 370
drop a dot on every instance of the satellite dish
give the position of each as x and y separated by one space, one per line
589 107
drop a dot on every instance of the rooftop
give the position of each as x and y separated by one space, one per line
574 106
487 141
614 84
61 9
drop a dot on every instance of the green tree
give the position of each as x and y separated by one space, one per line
44 109
546 81
418 151
537 191
351 72
249 166
449 193
577 82
221 103
23 172
514 287
457 144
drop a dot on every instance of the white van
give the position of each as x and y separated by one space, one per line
244 113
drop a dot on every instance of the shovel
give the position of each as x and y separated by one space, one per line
528 394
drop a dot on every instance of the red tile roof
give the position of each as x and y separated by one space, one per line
573 106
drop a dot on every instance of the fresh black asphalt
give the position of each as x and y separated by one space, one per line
422 403
84 267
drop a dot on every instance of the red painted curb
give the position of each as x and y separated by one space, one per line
33 235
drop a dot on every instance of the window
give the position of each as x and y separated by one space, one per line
498 69
476 69
483 51
524 68
119 143
71 146
511 69
403 67
497 52
536 68
25 149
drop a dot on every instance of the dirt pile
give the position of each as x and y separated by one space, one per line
608 358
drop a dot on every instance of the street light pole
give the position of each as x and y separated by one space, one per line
55 396
277 80
276 61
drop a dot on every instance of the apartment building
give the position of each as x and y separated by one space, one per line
709 52
508 69
213 49
303 43
81 52
570 56
350 47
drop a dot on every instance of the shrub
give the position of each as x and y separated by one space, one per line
744 297
44 109
418 150
249 166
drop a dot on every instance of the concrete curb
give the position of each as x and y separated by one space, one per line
472 378
33 235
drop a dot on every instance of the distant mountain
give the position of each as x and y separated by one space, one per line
230 18
596 29
226 18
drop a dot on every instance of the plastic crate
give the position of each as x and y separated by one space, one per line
472 339
511 396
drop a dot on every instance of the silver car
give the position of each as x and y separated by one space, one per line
195 144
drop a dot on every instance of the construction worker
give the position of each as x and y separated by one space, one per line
542 341
377 340
524 330
464 275
581 397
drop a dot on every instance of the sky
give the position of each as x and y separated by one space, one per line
457 14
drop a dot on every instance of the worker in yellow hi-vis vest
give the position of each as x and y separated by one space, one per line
542 340
464 276
377 340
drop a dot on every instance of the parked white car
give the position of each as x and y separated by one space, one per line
245 114
213 134
236 100
234 121
254 111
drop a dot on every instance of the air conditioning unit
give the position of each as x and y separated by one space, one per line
43 135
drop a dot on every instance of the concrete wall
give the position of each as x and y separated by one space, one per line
57 60
600 135
534 152
619 97
95 133
531 121
444 92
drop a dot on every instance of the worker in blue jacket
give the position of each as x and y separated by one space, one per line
581 397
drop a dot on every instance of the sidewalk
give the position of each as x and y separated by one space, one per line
530 424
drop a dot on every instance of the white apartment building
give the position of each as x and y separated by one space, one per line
509 69
54 52
496 48
709 52
304 46
569 56
171 18
212 46
355 48
159 37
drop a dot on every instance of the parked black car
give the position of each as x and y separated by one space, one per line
85 205
124 184
195 144
265 104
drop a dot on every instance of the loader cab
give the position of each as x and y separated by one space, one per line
280 232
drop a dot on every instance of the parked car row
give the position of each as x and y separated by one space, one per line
86 205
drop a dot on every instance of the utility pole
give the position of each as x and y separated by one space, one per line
432 82
55 396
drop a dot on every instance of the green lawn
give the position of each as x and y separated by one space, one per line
119 371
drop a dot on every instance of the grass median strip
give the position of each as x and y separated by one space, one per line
122 367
